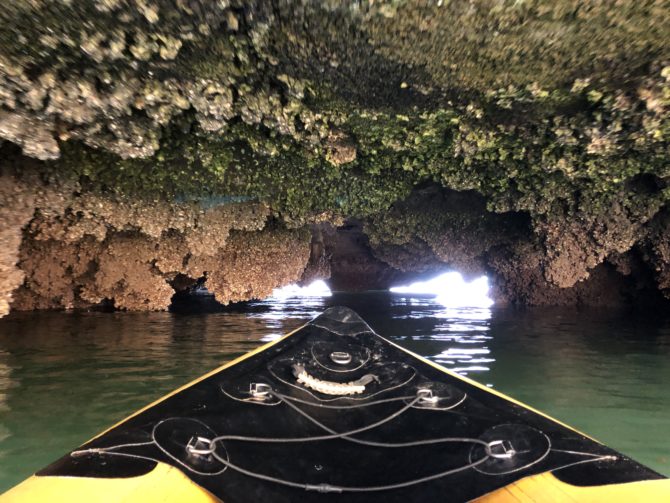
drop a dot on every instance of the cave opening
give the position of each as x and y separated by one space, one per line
451 290
318 288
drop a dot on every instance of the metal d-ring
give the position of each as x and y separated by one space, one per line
500 449
426 397
194 446
340 357
259 390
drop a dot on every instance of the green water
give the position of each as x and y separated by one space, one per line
66 376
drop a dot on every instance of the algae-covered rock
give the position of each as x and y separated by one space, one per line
553 110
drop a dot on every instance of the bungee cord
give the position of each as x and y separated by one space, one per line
347 435
333 435
330 488
323 405
291 402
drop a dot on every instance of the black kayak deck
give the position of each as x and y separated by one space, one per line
276 427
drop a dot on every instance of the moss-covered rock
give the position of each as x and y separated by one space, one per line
557 109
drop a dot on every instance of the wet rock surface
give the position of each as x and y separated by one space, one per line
68 250
526 140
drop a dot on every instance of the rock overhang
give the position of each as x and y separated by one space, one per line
551 114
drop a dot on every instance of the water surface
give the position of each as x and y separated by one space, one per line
66 376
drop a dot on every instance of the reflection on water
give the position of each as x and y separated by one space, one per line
461 330
66 376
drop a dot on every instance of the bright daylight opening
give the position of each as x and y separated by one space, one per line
316 289
451 290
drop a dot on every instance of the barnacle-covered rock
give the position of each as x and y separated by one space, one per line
552 117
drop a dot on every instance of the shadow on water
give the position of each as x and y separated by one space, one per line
66 376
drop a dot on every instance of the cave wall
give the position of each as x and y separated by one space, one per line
527 140
436 230
65 249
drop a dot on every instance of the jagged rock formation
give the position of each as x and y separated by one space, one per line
80 250
16 212
436 227
540 127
